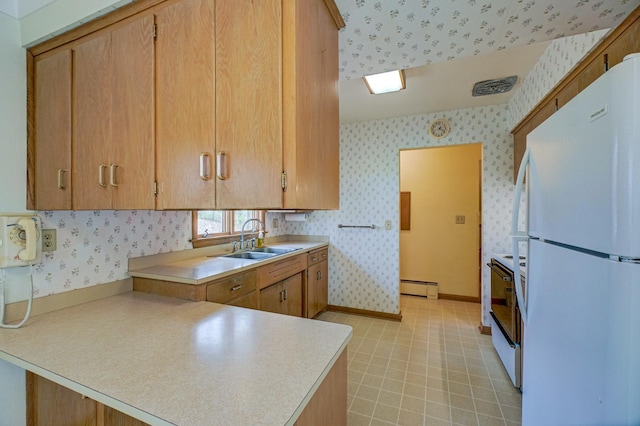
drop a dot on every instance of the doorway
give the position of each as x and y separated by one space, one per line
441 243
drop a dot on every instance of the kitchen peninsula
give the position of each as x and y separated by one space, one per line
169 361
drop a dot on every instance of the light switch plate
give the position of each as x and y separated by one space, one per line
460 220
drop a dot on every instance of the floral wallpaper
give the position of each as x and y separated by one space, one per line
364 263
393 34
93 247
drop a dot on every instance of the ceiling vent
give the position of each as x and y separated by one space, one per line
492 87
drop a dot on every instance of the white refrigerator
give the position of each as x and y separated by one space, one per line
581 301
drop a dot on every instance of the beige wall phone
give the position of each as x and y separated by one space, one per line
20 245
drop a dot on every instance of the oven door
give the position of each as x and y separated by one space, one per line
503 301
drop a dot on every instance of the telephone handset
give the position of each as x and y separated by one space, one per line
20 241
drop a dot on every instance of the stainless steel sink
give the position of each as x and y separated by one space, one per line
274 250
251 255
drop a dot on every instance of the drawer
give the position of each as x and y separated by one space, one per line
230 288
278 271
317 256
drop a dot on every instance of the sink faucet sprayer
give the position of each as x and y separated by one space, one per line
242 234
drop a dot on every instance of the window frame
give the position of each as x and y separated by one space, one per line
199 240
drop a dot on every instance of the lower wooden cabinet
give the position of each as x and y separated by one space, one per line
317 288
284 297
50 404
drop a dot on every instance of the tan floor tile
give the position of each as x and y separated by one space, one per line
439 411
395 374
415 405
439 396
513 414
484 420
485 394
390 398
409 418
393 385
487 408
430 421
460 389
433 362
462 402
415 391
386 413
372 380
355 419
362 406
463 417
368 392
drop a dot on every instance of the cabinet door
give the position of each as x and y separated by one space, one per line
53 131
271 298
317 288
185 105
323 286
311 129
48 403
628 42
132 162
292 288
113 148
92 104
249 102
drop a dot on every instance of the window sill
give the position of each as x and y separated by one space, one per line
219 240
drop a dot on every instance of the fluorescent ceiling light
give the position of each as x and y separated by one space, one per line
385 82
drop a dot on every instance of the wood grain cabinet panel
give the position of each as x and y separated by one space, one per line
311 129
160 89
284 297
51 404
52 87
185 105
113 118
317 283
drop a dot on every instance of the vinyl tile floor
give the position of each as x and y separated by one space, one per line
432 368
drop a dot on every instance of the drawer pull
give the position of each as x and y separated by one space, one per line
236 287
313 259
324 255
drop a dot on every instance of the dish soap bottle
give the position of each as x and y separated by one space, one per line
261 239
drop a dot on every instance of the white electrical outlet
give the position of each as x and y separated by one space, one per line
460 220
387 225
274 223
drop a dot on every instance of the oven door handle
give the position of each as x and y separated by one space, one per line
501 273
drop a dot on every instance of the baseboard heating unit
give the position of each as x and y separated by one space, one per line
427 289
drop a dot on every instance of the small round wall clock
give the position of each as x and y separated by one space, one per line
439 128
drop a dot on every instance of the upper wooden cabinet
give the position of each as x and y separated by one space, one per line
52 96
185 105
113 118
231 104
625 39
310 106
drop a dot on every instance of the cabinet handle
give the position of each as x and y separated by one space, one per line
286 294
221 165
205 166
101 168
60 180
236 287
112 174
324 255
319 275
282 296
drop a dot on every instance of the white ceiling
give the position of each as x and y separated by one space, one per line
446 46
20 8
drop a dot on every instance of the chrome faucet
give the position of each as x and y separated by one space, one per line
242 234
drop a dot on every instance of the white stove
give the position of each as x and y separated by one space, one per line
507 260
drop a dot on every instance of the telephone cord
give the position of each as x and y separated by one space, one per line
3 281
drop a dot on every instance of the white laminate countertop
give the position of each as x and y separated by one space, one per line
202 268
170 361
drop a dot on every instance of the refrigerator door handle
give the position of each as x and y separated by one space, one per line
518 236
